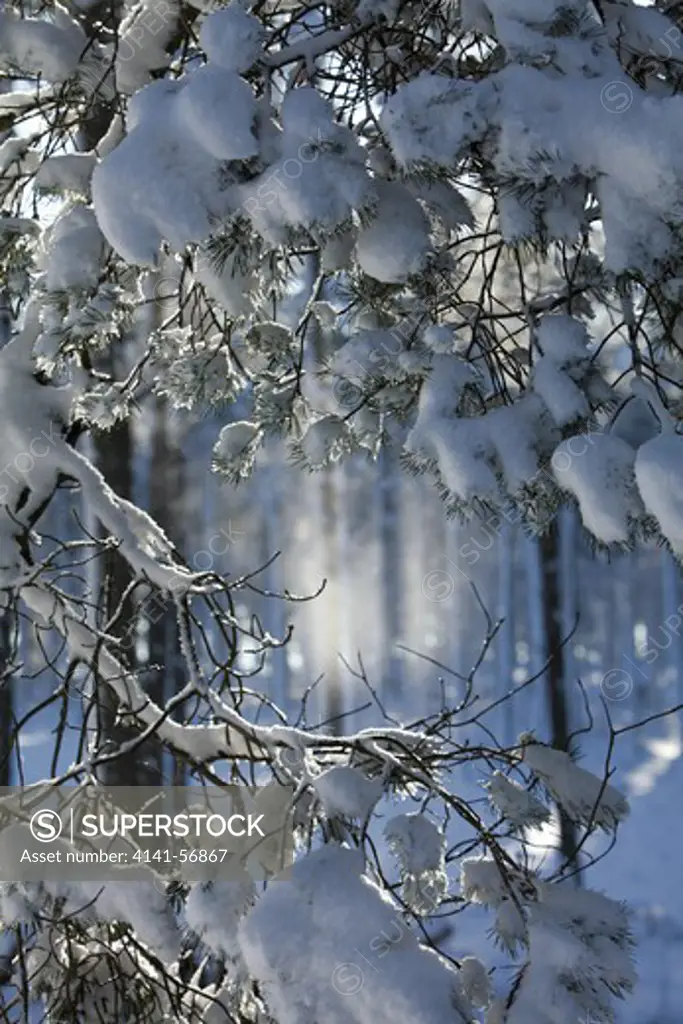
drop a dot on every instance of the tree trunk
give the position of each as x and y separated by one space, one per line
115 457
6 703
558 709
391 588
506 637
164 678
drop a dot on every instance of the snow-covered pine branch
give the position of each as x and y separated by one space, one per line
524 153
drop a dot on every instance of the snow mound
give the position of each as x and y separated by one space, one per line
163 181
598 469
231 38
482 881
210 92
419 847
432 119
459 447
318 178
416 842
354 960
74 250
514 802
213 911
658 475
586 798
346 792
144 34
396 242
561 395
322 441
68 172
563 339
32 416
36 46
235 449
515 431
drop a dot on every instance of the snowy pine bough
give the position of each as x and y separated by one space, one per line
431 226
470 252
345 936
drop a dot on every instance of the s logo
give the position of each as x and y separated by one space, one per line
46 826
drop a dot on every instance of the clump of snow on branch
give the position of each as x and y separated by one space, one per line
301 942
144 33
482 881
585 797
52 47
396 242
231 38
213 911
526 109
419 847
236 449
580 955
515 803
657 472
345 792
599 472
